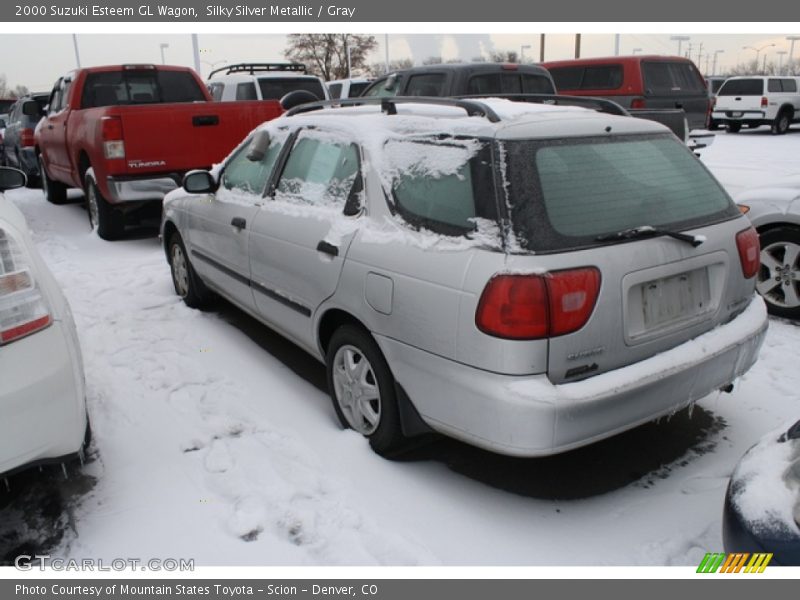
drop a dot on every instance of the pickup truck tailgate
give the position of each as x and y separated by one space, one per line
187 135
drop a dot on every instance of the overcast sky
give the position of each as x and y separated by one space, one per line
36 60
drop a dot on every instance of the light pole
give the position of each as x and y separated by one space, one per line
758 52
714 64
522 52
635 50
78 56
680 39
781 54
163 47
793 39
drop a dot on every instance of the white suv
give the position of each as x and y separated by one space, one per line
754 101
263 81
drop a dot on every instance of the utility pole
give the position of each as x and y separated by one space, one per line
714 67
689 51
541 48
386 47
616 44
196 52
577 45
680 39
699 54
78 56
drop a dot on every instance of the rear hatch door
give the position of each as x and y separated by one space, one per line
737 96
676 84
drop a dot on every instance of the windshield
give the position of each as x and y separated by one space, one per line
565 193
275 88
742 87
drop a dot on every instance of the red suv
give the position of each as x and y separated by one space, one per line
637 82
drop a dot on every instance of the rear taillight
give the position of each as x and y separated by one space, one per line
26 138
113 146
637 103
764 101
23 308
529 307
749 252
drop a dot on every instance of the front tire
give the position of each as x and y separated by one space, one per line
779 276
188 284
109 222
55 192
362 389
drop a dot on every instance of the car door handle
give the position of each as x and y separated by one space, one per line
49 126
239 222
327 248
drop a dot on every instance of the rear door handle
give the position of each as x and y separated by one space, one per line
239 222
327 248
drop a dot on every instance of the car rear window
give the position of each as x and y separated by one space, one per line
662 78
599 77
742 87
563 194
275 88
140 86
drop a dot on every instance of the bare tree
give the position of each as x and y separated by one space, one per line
378 69
3 86
508 56
325 54
20 91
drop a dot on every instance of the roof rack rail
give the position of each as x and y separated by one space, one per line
473 108
252 68
598 104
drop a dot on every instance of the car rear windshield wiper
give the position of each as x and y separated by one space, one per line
650 231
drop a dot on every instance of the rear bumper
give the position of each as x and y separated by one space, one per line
140 189
42 399
529 416
740 115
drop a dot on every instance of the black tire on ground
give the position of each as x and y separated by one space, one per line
109 221
713 125
781 123
187 282
778 279
352 384
55 192
733 127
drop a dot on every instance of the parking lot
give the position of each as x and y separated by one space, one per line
215 439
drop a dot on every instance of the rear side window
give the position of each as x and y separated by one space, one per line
742 87
672 78
246 91
275 88
146 86
445 186
509 83
600 77
357 88
335 90
563 195
774 85
428 84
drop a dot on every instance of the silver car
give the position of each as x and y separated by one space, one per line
525 278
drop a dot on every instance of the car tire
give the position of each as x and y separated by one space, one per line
187 283
32 180
55 192
109 221
713 125
779 277
781 123
362 389
733 127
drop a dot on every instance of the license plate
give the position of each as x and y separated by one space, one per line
676 298
737 114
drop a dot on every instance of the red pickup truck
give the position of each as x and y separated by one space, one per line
126 135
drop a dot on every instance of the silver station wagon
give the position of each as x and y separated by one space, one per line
526 278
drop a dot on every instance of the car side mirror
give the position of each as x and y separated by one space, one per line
352 205
199 182
11 179
259 146
391 82
32 108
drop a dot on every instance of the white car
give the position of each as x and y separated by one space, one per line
755 101
263 81
43 415
348 88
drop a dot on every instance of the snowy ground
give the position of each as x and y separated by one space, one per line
215 440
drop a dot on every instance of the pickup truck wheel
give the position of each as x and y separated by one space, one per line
362 389
733 127
109 222
781 123
779 276
55 192
188 284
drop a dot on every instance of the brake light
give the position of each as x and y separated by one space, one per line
113 144
764 101
749 251
510 67
23 308
529 307
637 103
26 138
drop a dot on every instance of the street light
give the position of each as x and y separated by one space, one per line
781 54
793 39
522 52
714 66
163 47
680 39
758 52
635 50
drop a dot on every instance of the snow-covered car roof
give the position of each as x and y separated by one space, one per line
516 120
